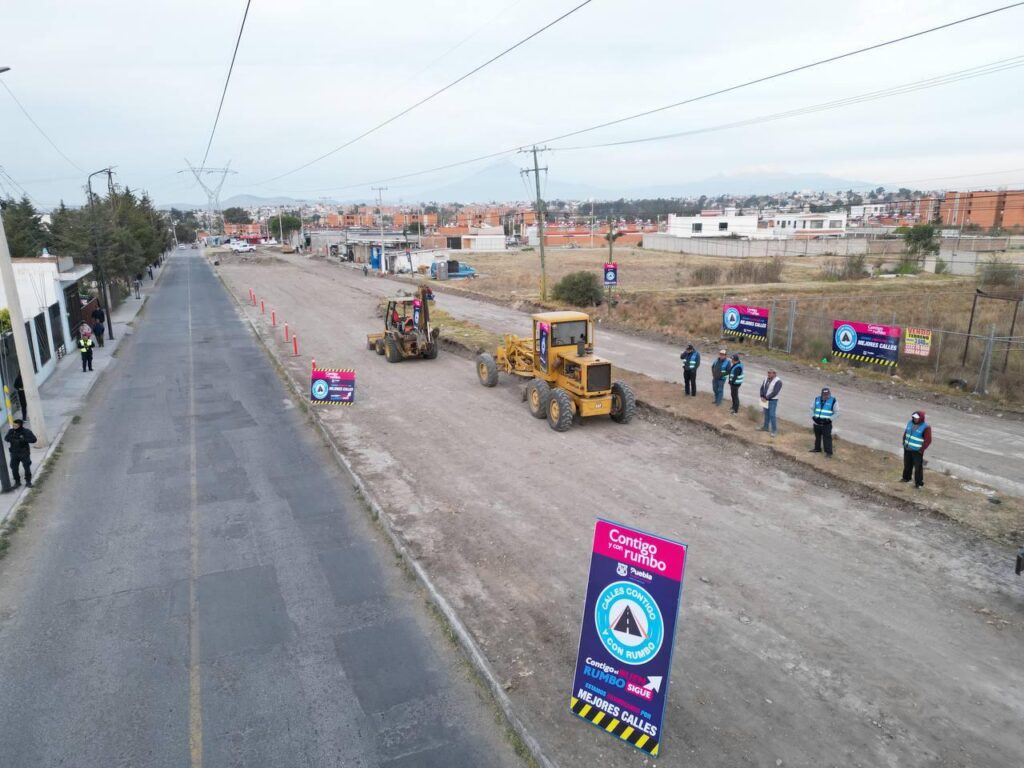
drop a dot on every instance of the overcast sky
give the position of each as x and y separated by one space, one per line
136 85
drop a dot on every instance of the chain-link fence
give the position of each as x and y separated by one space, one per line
989 359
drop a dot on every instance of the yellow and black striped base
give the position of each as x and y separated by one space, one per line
865 359
614 726
333 402
727 332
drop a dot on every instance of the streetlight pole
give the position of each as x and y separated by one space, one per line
104 287
25 360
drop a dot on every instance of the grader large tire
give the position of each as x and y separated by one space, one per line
623 402
559 410
487 369
379 346
538 395
391 350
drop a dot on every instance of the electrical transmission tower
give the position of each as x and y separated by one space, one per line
212 191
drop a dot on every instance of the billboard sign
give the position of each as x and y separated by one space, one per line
739 320
865 343
611 275
917 341
332 386
629 625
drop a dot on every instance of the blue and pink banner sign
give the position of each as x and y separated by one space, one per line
865 343
332 386
629 626
739 320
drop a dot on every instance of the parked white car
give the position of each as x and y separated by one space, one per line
242 248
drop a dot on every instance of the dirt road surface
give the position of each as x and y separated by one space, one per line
816 629
982 448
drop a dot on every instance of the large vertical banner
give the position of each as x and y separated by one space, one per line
629 625
739 320
879 344
611 274
543 339
332 386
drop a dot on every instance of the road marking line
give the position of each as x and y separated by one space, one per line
195 701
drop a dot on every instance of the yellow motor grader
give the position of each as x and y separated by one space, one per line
566 379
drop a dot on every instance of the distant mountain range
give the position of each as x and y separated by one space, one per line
503 182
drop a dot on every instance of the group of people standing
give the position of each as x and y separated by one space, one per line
91 336
726 369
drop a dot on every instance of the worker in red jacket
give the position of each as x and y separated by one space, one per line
916 438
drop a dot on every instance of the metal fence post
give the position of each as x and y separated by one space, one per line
986 363
792 322
771 324
938 353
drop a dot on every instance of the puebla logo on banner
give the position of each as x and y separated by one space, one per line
846 338
629 623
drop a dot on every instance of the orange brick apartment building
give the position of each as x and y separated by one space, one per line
989 209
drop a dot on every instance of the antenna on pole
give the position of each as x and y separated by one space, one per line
212 191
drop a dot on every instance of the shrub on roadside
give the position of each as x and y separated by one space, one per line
767 271
852 267
581 289
707 274
999 272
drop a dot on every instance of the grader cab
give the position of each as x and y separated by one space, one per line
565 378
407 332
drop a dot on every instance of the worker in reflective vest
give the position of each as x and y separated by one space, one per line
823 412
719 375
691 362
85 344
916 438
735 381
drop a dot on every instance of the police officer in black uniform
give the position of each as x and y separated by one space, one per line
19 439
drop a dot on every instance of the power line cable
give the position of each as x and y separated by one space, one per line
227 80
42 133
783 73
433 95
897 90
946 79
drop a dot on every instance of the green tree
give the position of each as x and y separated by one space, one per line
236 215
26 235
582 289
286 223
921 240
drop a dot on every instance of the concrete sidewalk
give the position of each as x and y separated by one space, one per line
64 394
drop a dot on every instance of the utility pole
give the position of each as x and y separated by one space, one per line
380 211
100 273
280 226
540 218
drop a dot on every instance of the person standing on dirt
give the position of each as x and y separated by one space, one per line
735 382
917 436
719 374
85 345
770 389
366 270
20 439
691 362
823 411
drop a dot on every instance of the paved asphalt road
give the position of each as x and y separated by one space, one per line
197 586
983 448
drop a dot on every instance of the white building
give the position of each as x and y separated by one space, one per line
485 238
870 210
46 288
808 225
714 223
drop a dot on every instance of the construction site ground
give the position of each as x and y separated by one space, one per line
818 627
